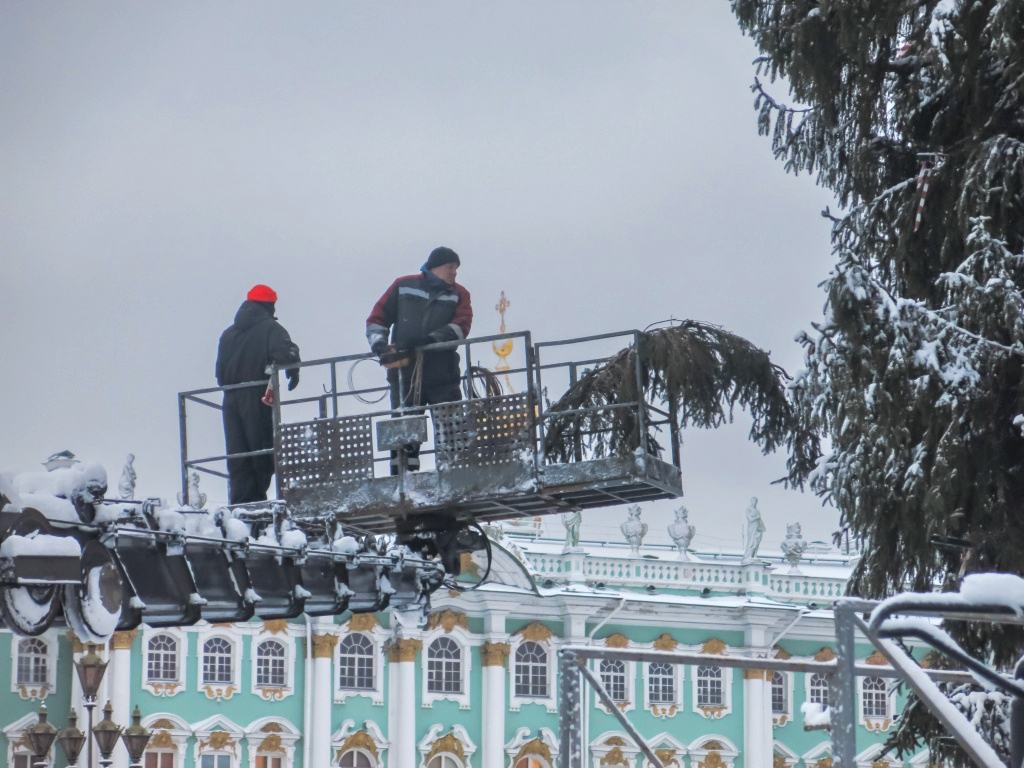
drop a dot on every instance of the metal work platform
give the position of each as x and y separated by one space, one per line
485 457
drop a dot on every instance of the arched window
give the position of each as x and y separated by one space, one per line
531 670
160 758
710 691
356 758
444 761
162 659
818 690
532 762
875 697
613 678
217 760
444 667
33 662
270 667
661 683
780 694
218 664
355 663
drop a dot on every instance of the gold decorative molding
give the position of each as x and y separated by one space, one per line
780 720
713 760
404 650
122 641
880 764
163 689
359 740
534 747
781 653
275 626
665 642
34 693
712 713
454 593
825 654
714 647
363 622
615 757
667 757
617 640
468 565
755 674
218 741
162 740
272 743
877 726
323 646
272 694
448 619
220 693
448 743
825 762
163 722
615 741
878 660
664 712
713 744
536 632
494 654
778 761
77 646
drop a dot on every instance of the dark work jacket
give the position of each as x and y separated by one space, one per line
250 344
417 306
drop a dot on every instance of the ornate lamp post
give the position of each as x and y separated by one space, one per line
135 738
90 670
40 737
106 732
71 740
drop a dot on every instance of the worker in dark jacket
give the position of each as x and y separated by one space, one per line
254 341
426 308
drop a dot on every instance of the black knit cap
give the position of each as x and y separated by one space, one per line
441 256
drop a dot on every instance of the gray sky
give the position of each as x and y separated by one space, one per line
597 161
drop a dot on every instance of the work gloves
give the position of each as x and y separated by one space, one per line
292 374
379 347
413 342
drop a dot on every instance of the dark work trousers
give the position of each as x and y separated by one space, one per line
430 393
248 426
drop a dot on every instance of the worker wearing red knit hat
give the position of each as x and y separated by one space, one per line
253 341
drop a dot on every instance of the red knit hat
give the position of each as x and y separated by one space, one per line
262 293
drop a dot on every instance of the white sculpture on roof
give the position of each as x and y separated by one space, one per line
634 530
754 531
794 545
682 532
126 485
572 522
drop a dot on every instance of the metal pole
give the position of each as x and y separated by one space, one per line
183 437
641 402
570 725
1017 722
90 704
843 688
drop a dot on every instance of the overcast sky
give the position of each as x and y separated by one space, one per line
597 161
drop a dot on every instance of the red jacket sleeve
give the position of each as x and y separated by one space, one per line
382 316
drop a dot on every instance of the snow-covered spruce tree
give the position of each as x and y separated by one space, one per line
916 372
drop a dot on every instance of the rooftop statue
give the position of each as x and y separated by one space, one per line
634 530
682 532
753 532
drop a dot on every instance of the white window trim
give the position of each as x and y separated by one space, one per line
786 716
699 752
462 639
219 691
524 735
876 724
15 735
599 748
348 727
179 734
630 670
376 694
550 702
164 687
659 709
203 733
713 712
460 733
807 688
255 736
32 691
273 693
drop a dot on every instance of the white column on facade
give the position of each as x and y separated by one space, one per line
77 650
318 730
119 672
402 729
757 719
493 658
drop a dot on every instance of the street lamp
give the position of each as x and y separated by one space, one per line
135 738
106 732
71 740
90 669
40 737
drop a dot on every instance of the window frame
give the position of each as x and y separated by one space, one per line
461 639
226 689
815 682
872 720
784 715
35 690
273 692
712 711
665 709
515 700
165 688
375 694
628 703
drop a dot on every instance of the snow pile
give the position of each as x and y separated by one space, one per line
994 589
816 715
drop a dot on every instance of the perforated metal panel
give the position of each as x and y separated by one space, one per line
325 451
481 433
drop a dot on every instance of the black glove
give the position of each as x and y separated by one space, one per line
292 374
418 341
379 347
